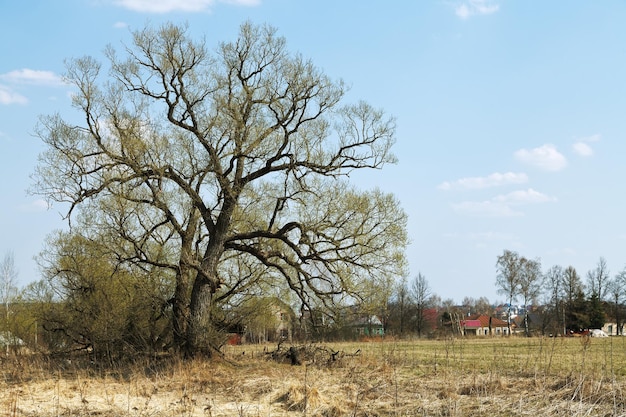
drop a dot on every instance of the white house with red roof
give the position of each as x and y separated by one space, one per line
483 325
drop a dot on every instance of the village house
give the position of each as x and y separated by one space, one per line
483 325
268 319
369 326
611 329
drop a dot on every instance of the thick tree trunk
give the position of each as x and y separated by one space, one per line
202 337
180 310
201 334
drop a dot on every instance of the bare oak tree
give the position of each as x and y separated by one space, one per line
225 165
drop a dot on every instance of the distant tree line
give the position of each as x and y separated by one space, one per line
564 303
556 301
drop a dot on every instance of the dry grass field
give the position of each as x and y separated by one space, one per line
454 377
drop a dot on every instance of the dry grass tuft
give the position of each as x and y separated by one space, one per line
482 385
299 398
332 411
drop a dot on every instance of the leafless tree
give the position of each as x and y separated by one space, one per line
574 294
598 279
8 280
420 291
8 286
553 280
508 279
530 278
402 303
468 304
483 306
617 291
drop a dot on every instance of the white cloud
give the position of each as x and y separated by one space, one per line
545 157
7 96
592 138
503 205
21 77
34 206
489 208
493 180
29 76
242 2
582 147
529 196
470 8
120 25
166 6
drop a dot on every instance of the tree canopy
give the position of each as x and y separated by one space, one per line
227 168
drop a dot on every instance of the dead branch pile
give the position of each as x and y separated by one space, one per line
309 354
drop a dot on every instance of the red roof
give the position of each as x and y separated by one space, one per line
483 321
471 324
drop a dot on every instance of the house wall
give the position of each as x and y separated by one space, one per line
370 331
484 331
471 332
275 326
611 329
500 331
285 327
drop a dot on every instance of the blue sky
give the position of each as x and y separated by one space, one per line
510 115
